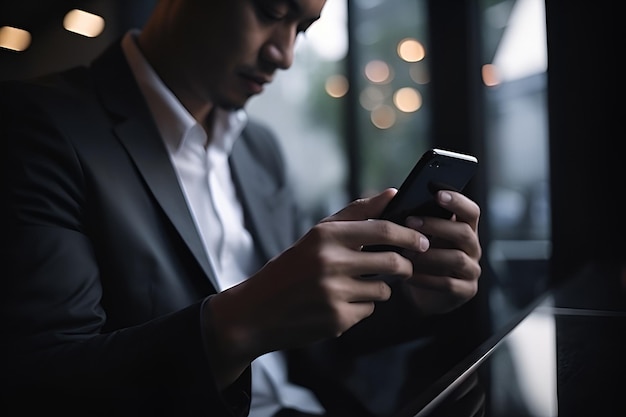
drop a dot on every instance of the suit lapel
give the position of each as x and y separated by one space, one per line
138 133
266 203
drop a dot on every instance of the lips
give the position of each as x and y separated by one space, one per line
255 82
260 79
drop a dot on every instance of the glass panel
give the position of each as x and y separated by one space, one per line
514 36
390 82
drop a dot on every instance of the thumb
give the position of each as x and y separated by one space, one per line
364 208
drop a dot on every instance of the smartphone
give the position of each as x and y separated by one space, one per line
437 169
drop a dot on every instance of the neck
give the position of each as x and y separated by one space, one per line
161 53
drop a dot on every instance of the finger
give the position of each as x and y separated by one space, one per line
448 234
465 210
364 208
358 234
370 290
459 288
446 263
352 313
387 263
358 300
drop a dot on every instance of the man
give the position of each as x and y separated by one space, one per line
152 248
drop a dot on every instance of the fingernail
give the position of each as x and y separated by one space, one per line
414 222
424 244
445 197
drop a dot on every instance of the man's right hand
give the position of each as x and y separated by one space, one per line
314 289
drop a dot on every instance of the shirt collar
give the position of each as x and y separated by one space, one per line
174 122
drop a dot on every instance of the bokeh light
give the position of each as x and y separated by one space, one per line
83 23
407 99
14 39
336 85
411 50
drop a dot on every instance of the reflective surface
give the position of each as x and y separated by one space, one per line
560 356
565 358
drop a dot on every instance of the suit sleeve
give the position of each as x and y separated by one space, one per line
54 354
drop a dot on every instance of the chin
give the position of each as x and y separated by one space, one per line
232 104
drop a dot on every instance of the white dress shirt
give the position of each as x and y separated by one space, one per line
204 174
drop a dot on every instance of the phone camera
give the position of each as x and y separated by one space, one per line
434 164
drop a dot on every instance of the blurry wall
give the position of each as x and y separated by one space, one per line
585 84
51 47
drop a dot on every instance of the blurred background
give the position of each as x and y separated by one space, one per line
528 86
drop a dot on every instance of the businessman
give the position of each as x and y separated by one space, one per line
153 262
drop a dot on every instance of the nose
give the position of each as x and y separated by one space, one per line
279 48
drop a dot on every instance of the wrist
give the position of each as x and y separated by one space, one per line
227 342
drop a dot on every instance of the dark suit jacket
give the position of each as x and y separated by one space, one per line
103 271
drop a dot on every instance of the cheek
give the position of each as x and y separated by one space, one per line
243 49
235 40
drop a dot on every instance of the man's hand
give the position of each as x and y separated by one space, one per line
446 276
314 289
